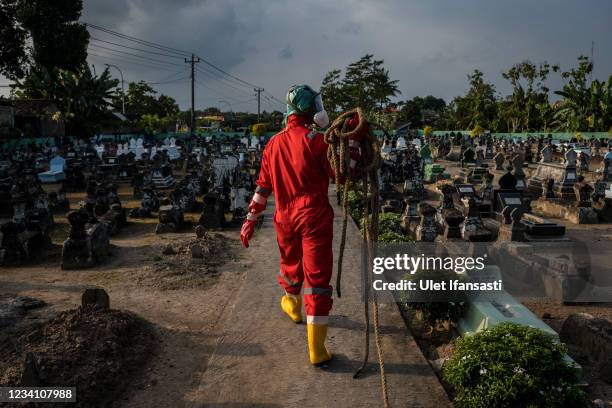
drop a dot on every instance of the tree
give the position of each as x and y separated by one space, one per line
141 99
81 97
478 106
420 111
36 34
331 92
366 84
528 107
13 56
585 105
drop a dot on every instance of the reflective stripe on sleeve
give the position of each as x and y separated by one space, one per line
318 291
253 216
317 319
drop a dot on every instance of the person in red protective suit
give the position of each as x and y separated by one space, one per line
295 167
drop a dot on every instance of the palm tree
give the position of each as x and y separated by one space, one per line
81 97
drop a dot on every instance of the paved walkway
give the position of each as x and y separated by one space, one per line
261 359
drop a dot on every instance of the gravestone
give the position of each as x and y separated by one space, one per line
170 219
55 174
427 230
95 298
546 153
564 176
499 161
468 158
473 229
517 164
452 224
606 168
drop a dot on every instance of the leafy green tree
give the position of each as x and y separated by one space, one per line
477 107
528 108
141 99
421 111
13 56
366 83
585 105
81 97
36 34
332 92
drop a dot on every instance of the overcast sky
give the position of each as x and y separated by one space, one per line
428 45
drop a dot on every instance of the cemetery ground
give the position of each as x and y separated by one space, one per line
207 331
438 345
203 339
178 303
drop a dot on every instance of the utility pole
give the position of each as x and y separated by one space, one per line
193 61
259 91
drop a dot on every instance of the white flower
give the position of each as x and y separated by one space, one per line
483 371
519 370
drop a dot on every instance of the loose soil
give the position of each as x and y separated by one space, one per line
95 350
185 302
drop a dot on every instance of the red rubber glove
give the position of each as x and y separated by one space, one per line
246 233
256 207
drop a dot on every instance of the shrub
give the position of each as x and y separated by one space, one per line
512 366
391 237
259 129
355 200
434 313
389 229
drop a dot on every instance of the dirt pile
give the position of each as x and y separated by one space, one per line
95 350
186 263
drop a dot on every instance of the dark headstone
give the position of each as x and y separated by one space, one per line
95 298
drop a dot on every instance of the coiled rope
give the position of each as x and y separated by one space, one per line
338 154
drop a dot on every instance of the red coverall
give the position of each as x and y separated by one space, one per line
295 167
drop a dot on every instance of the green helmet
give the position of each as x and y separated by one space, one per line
301 100
304 101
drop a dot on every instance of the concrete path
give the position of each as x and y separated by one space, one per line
261 359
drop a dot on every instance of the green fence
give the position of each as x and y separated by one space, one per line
40 141
555 135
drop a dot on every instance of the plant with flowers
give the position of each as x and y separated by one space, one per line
512 365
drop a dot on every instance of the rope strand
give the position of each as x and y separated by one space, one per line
338 154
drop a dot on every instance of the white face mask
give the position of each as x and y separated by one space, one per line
320 118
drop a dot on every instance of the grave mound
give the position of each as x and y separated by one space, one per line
93 349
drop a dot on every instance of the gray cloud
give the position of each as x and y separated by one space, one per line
286 53
429 47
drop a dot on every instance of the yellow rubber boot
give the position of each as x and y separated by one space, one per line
319 355
292 305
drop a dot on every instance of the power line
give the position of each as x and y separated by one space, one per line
228 84
128 61
177 53
218 76
216 91
138 40
136 49
134 55
168 82
168 49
